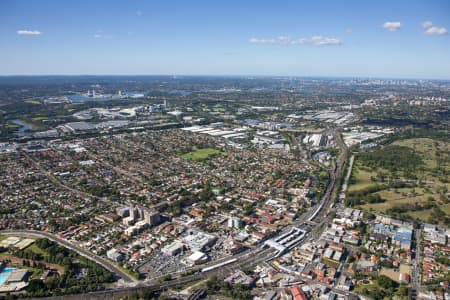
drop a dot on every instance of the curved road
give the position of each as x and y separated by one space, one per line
83 252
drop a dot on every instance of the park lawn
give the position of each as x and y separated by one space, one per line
362 179
446 208
427 149
11 125
37 250
402 196
218 107
421 145
394 199
423 215
33 102
39 118
371 287
201 154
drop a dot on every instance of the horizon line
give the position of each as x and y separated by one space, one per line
231 75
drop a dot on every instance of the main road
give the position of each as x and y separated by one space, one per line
79 250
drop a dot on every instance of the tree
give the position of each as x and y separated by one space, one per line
167 277
385 282
36 286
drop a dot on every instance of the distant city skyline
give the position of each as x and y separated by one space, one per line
380 39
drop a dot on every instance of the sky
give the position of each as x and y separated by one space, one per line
394 39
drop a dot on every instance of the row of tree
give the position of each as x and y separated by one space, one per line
80 274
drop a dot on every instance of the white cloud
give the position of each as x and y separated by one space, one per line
426 24
392 26
323 41
28 32
285 40
100 35
433 30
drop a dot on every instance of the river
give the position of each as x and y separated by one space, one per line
24 127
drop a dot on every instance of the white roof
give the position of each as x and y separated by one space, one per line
197 255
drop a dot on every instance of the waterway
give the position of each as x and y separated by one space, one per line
24 127
181 92
80 98
126 96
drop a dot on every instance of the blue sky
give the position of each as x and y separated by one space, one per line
226 37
